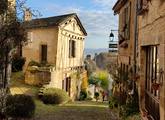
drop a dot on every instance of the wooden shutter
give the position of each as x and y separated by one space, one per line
73 48
70 48
63 84
67 84
43 53
125 22
129 21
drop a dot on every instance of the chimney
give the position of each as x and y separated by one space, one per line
27 15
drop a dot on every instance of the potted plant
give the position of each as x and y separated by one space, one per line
136 77
144 113
155 86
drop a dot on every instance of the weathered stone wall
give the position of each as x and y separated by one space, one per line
152 32
38 37
37 78
125 55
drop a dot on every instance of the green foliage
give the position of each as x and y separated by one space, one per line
103 78
113 102
131 107
100 78
3 6
34 63
93 80
97 95
54 96
83 94
128 103
17 63
20 106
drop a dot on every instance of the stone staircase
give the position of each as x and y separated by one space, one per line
40 93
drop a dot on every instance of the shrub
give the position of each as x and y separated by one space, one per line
17 63
131 107
97 95
113 103
83 94
34 63
21 106
54 96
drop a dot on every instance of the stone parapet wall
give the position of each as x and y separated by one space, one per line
38 78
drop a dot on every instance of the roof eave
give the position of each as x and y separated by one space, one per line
118 5
78 20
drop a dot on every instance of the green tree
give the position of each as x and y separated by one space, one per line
103 77
100 78
12 35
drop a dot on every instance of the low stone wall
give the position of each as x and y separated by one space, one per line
37 78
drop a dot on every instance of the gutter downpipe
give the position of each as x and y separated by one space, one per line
135 42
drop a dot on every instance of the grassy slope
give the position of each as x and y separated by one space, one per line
17 85
84 110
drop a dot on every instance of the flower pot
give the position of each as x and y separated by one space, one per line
155 86
144 113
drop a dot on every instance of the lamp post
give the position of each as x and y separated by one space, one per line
112 44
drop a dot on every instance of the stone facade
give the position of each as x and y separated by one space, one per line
125 10
63 37
152 34
146 50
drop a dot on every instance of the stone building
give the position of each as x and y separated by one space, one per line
125 10
146 51
59 42
151 43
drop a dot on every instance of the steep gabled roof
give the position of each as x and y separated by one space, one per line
53 21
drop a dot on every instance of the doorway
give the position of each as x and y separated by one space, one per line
152 73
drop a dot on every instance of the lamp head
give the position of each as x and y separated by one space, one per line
111 36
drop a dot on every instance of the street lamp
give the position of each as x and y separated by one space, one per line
112 42
111 37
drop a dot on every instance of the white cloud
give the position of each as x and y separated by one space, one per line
97 22
105 3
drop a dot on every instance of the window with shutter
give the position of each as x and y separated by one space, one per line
72 48
43 53
126 22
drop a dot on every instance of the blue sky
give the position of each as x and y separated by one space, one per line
96 15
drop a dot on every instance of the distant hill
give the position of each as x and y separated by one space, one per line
92 51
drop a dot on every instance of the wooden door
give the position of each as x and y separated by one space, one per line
152 73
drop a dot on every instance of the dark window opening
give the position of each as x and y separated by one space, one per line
126 16
66 85
72 48
43 53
